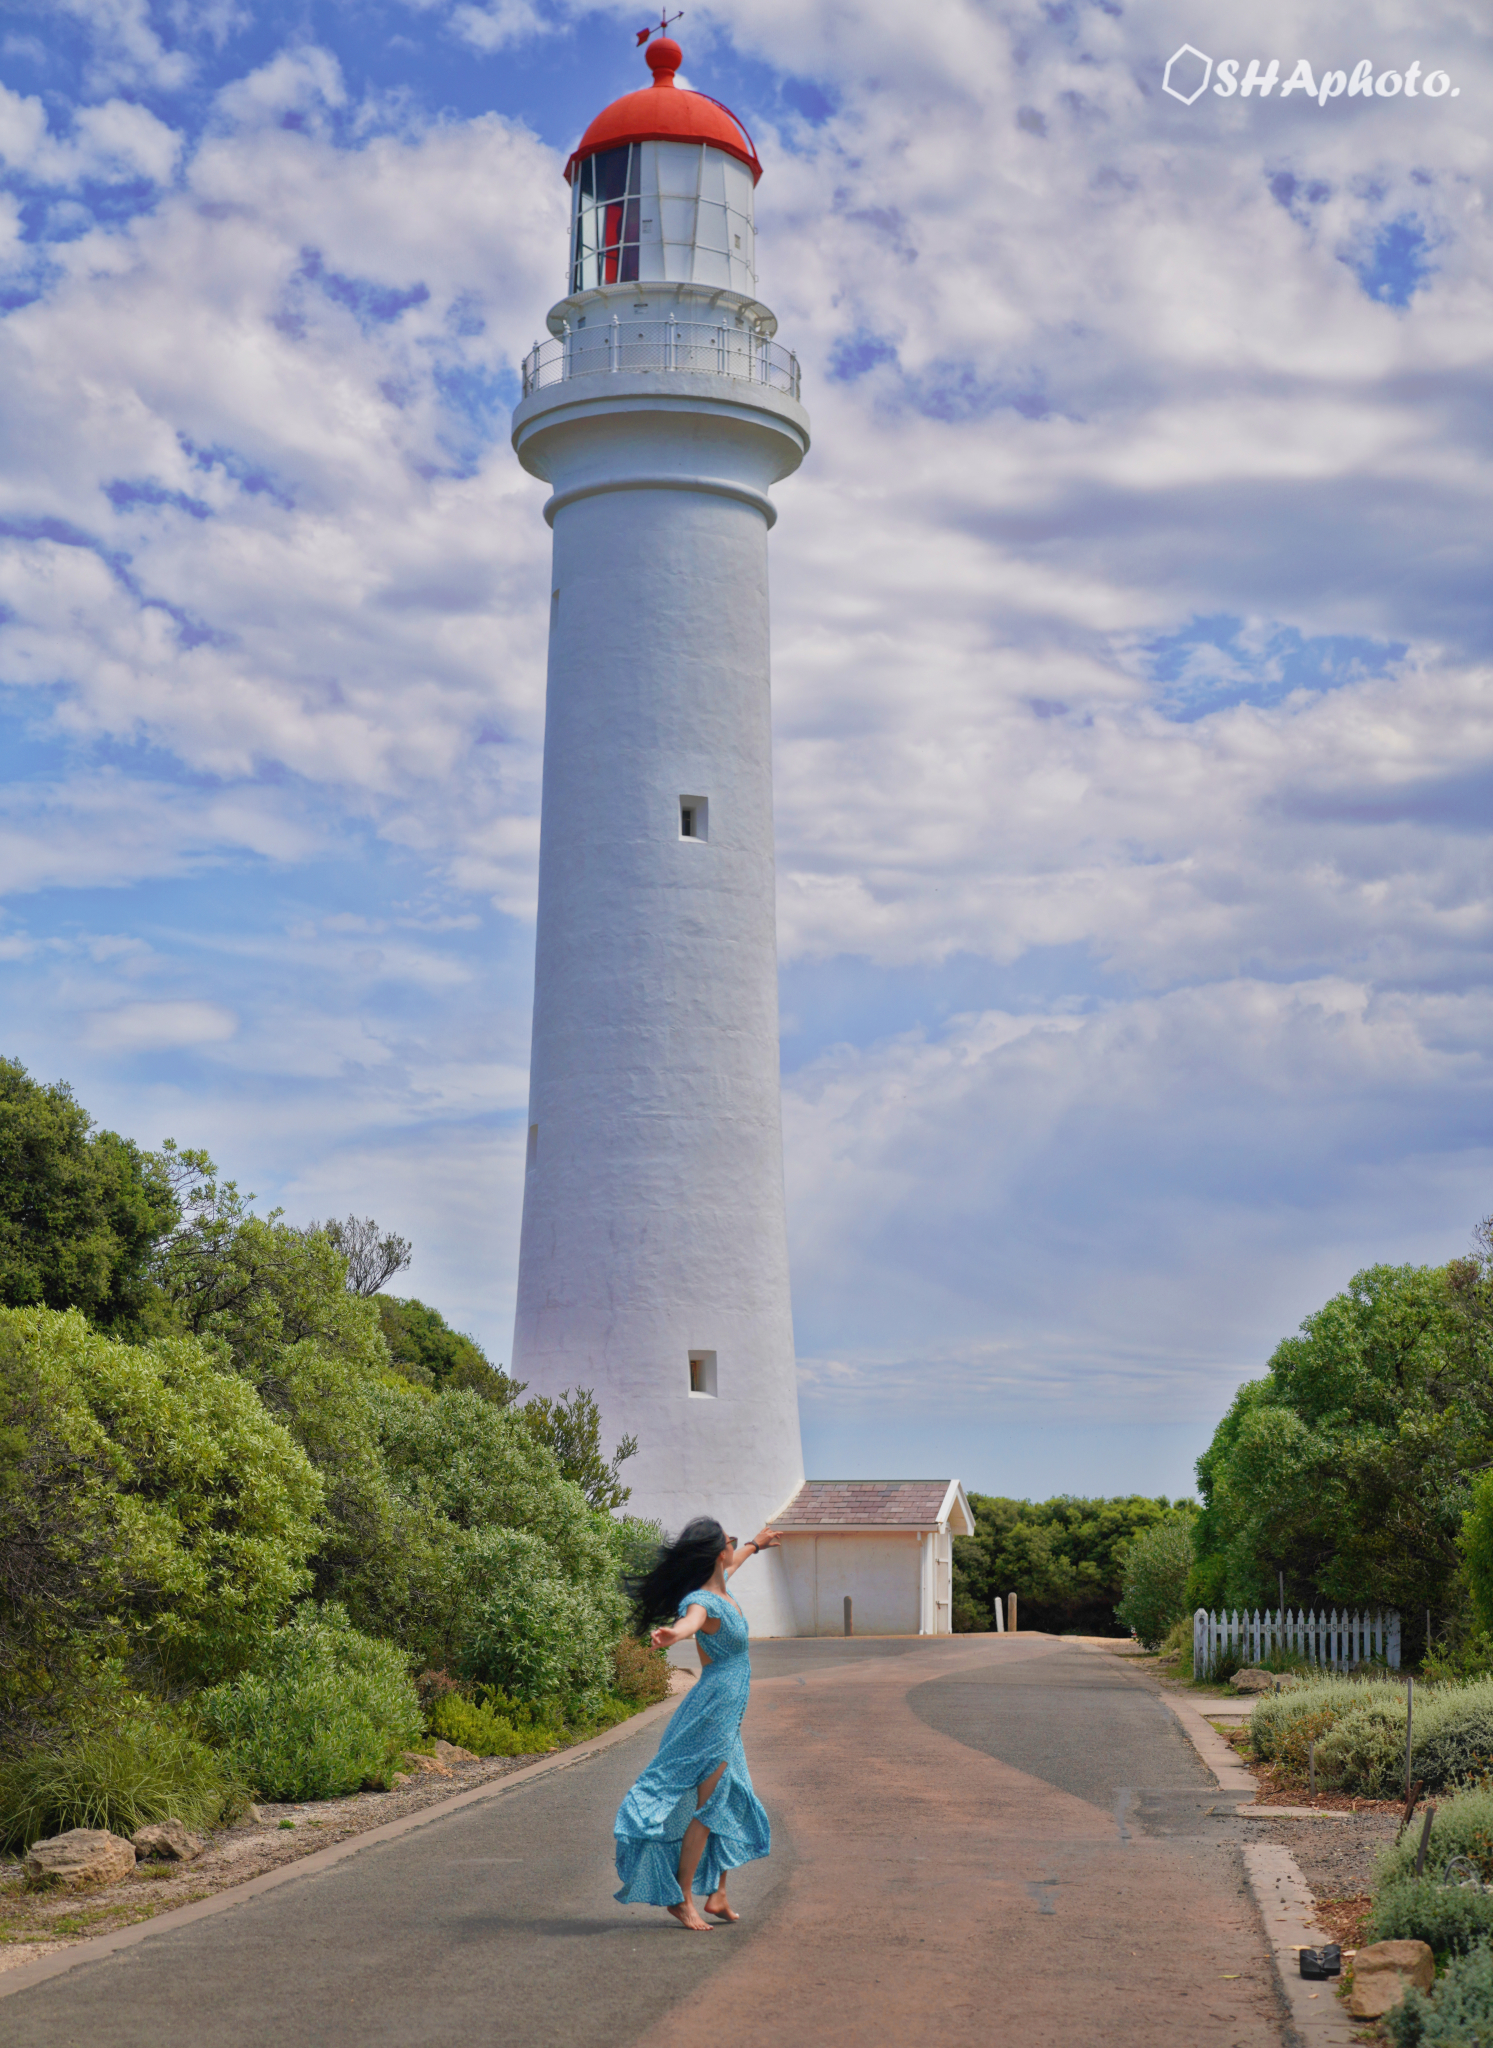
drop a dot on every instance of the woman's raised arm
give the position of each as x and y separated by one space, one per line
694 1620
763 1540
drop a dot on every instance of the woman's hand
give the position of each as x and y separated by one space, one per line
663 1638
766 1540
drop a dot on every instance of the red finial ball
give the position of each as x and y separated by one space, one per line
664 59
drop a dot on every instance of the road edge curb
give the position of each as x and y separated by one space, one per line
99 1946
1281 1894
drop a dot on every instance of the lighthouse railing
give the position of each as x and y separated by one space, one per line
668 346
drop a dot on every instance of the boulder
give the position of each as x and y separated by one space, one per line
169 1840
81 1856
428 1766
1261 1681
1381 1972
453 1753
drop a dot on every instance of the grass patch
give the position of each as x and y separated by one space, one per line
117 1777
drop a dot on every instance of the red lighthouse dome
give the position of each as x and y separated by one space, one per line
666 112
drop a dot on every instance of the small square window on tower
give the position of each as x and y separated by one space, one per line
694 817
702 1373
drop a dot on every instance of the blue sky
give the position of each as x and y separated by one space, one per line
1134 751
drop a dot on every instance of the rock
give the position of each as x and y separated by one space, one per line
453 1753
168 1839
251 1815
399 1778
81 1856
429 1766
1381 1972
1261 1681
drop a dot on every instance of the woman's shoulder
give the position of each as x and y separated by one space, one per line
711 1602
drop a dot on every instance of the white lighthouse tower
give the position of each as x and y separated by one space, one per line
653 1265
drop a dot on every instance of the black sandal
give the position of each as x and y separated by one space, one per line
1318 1963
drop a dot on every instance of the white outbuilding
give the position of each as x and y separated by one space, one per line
885 1546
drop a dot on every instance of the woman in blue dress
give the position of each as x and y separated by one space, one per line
693 1815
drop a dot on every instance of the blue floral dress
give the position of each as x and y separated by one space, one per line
704 1733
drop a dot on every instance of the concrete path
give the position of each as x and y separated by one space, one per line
989 1838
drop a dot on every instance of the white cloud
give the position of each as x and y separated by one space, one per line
302 80
134 1027
499 24
111 142
1206 1166
1124 609
106 829
125 47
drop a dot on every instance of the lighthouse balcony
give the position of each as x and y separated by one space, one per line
693 347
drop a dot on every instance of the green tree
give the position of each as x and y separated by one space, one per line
1063 1558
80 1209
571 1428
1348 1466
1477 1547
425 1349
150 1508
373 1256
472 1477
1158 1565
273 1303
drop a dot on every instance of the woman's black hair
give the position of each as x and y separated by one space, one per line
680 1567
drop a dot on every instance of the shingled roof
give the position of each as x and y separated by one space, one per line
865 1503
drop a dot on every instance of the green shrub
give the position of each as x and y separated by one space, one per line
1178 1643
1423 1910
1158 1565
1457 1745
642 1672
479 1726
1460 1653
148 1499
1459 2011
1364 1752
328 1710
1363 1749
512 1550
1275 1714
529 1629
1463 1827
117 1777
1293 1751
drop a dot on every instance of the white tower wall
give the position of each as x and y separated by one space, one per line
653 1222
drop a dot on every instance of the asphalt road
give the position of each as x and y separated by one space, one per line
989 1838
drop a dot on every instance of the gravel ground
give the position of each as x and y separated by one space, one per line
1337 1856
35 1924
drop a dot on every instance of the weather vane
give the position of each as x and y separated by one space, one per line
664 20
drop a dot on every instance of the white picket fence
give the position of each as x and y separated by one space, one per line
1334 1640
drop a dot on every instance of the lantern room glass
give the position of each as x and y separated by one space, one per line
605 218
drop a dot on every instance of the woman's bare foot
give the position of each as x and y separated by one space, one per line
720 1906
688 1917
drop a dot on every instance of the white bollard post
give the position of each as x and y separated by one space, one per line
1000 1618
